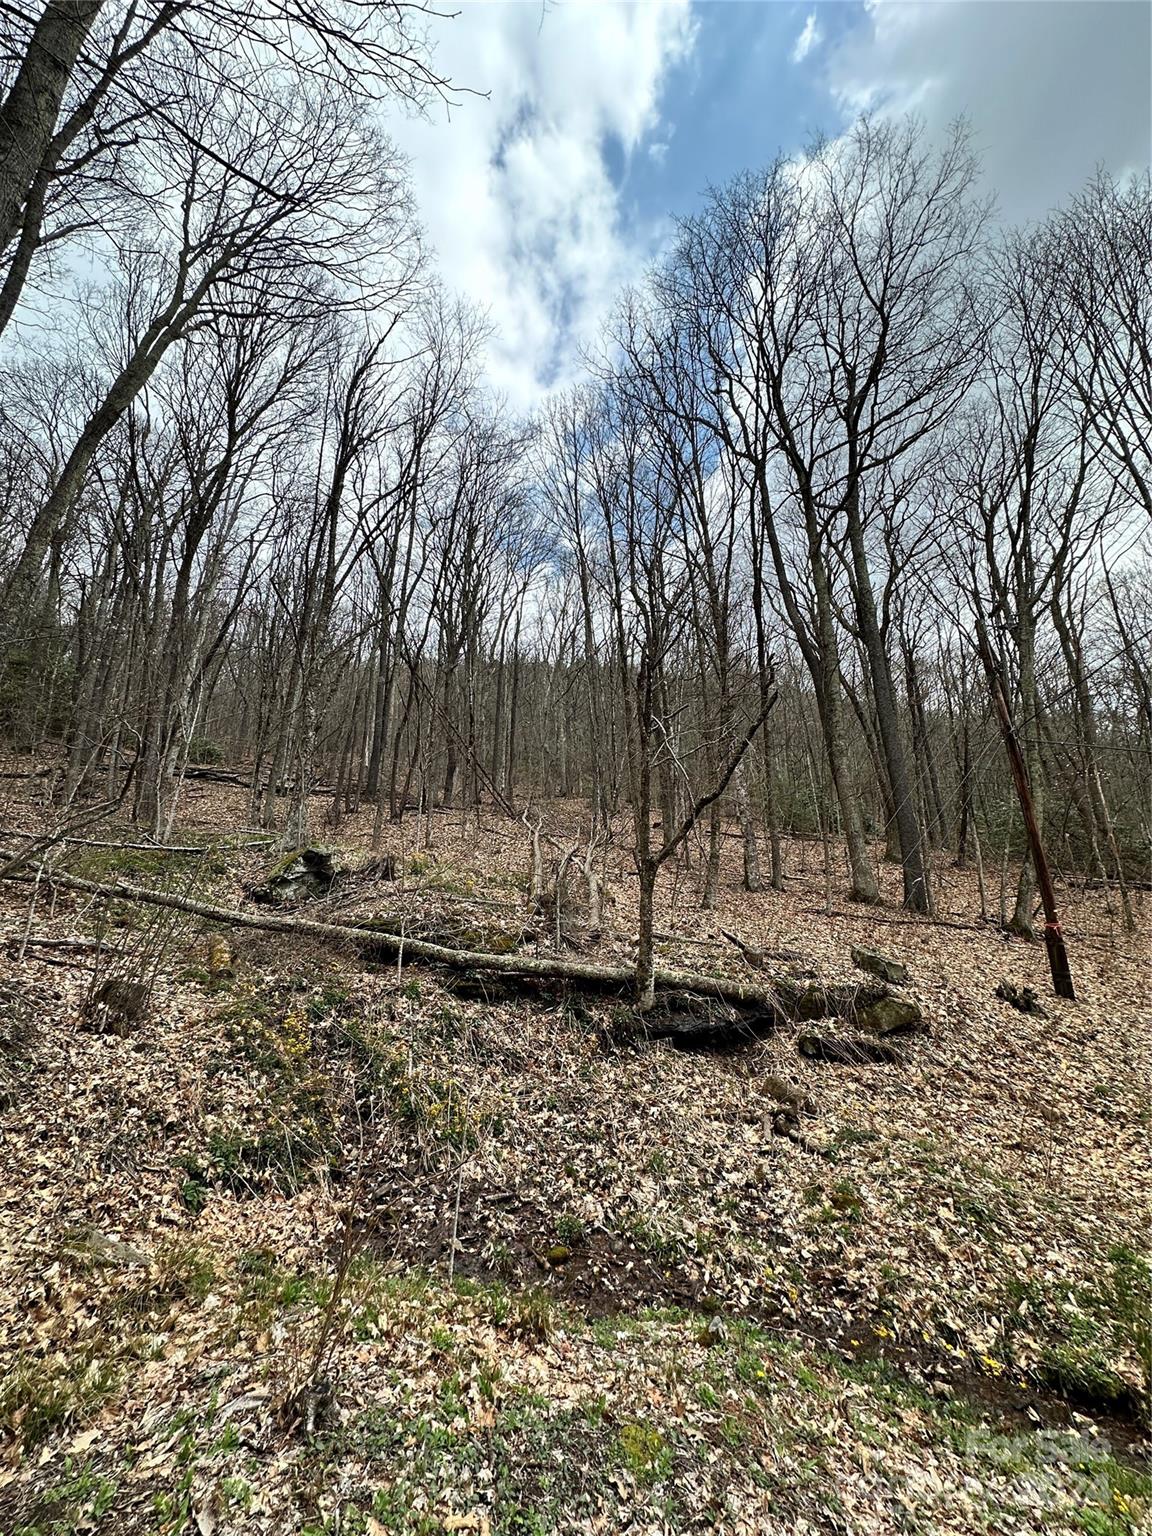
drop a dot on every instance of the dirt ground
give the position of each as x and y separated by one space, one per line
303 1242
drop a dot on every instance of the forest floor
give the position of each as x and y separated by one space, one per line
324 1245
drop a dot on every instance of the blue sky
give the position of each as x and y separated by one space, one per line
601 120
733 102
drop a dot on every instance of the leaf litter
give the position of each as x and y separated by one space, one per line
325 1246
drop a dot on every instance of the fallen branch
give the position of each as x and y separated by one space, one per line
227 776
870 915
150 847
79 944
782 997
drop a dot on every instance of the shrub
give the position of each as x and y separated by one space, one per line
205 753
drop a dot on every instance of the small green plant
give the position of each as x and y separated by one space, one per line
645 1452
571 1230
1123 1503
39 1396
665 1249
1128 1297
205 753
533 1314
327 1001
180 1271
430 1104
78 1502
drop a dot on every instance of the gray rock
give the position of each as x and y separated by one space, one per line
876 964
91 1244
302 875
890 1016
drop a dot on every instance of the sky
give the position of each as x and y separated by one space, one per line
596 124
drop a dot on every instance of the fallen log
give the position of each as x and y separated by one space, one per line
238 781
868 915
29 942
779 1000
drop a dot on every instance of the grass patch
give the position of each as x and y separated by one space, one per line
151 866
40 1396
1090 1334
542 1468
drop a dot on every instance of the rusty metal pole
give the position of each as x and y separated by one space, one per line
1053 934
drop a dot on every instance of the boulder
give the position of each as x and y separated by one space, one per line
88 1243
890 1015
876 964
788 1094
302 875
844 1051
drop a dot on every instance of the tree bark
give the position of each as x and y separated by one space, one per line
29 113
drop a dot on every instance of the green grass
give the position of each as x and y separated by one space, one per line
145 865
40 1396
1089 1333
78 1502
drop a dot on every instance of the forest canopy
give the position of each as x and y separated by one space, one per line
259 503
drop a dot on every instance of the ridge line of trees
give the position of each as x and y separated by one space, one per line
258 506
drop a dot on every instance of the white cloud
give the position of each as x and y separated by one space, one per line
1052 89
811 37
515 190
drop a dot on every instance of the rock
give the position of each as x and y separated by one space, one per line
890 1016
1021 998
94 1245
876 964
713 1332
844 1051
302 875
116 1007
786 1093
785 1122
559 1253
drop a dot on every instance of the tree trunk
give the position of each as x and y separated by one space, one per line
646 944
915 875
748 831
29 112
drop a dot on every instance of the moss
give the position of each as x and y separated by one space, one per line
283 865
645 1452
145 865
492 941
